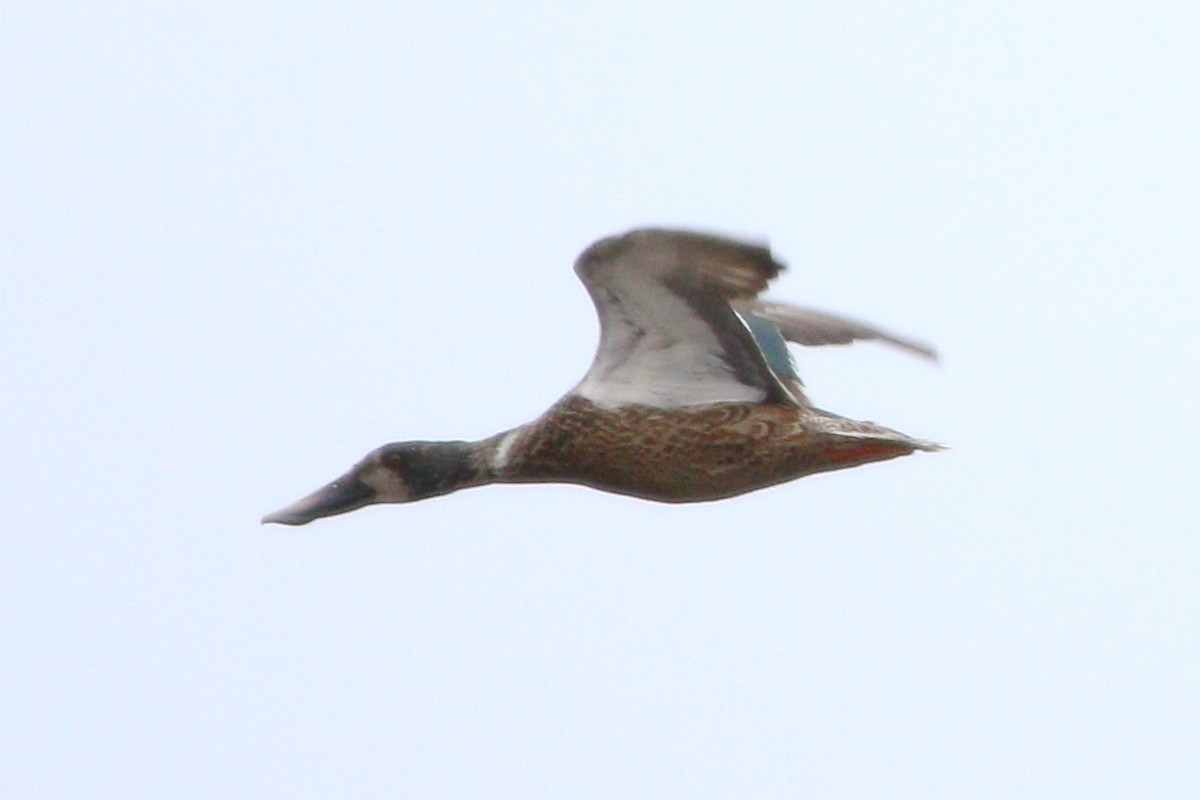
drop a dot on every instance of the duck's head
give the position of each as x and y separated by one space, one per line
395 473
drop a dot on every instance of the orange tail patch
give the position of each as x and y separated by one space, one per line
866 451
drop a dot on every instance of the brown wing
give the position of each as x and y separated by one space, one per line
808 326
668 335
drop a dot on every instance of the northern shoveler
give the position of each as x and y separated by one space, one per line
692 395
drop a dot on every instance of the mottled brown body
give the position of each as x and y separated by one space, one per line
691 395
692 453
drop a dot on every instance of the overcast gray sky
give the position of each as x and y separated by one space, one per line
242 246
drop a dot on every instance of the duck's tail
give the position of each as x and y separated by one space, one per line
851 442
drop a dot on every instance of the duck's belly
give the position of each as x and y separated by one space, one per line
686 454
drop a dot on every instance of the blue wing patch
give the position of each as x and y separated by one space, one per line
774 347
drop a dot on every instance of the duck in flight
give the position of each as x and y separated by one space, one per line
692 394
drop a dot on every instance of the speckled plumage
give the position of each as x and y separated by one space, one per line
691 396
694 453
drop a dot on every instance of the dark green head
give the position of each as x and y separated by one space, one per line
402 472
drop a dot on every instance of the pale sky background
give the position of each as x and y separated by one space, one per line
242 246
